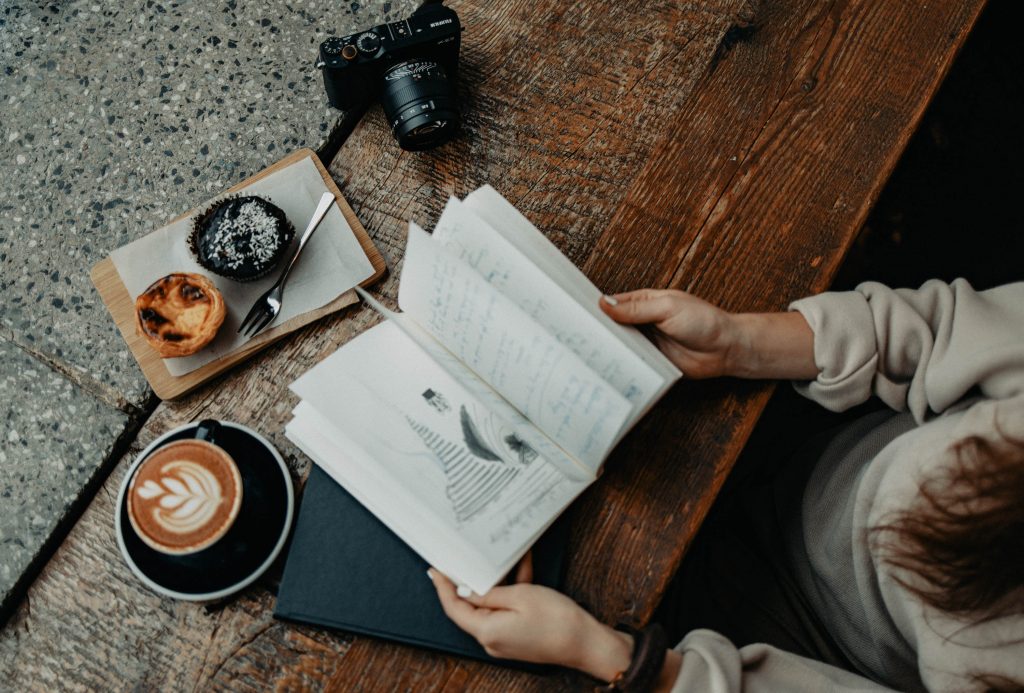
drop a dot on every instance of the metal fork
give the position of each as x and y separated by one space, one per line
268 305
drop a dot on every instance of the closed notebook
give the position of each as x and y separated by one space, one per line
346 570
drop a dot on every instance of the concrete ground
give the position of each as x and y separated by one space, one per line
115 118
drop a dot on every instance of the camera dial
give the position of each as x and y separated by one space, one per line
333 46
368 43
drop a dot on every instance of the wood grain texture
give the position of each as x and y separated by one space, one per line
121 304
563 103
718 146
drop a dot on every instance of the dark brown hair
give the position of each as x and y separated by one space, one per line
961 546
962 543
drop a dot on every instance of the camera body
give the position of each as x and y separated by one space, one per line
410 66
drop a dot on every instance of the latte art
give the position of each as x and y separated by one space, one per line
184 496
188 496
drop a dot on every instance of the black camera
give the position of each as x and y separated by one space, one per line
410 66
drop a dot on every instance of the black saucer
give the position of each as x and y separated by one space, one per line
248 548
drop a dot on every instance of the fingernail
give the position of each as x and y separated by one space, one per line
430 575
611 300
464 592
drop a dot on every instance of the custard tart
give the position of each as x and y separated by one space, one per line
179 314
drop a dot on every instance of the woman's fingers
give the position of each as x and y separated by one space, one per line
641 307
502 597
506 597
465 615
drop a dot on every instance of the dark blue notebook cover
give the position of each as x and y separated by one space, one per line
346 570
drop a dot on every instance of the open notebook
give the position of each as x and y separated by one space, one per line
470 420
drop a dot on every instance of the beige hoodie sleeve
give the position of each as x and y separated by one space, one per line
921 350
712 664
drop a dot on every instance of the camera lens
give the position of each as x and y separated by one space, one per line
419 102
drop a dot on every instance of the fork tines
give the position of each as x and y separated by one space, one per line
261 315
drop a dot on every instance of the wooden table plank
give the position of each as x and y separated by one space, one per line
563 103
607 123
842 106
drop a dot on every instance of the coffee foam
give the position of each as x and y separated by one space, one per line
184 496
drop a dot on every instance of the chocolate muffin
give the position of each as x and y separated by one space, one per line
241 238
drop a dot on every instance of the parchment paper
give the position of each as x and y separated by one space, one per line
332 263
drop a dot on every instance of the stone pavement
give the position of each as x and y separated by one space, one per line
116 117
55 436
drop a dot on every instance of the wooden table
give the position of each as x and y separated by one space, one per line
722 147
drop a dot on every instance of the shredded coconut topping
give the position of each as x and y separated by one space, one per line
251 234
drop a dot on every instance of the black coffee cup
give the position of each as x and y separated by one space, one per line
247 548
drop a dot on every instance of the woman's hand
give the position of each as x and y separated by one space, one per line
705 341
536 624
696 336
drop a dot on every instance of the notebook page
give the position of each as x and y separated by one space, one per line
438 449
482 391
490 206
508 270
550 385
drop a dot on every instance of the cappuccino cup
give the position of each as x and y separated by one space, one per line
185 495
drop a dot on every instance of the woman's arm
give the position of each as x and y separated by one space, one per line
706 341
537 624
918 349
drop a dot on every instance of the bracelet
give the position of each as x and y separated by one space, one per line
649 645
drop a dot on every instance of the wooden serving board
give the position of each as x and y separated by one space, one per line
122 305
